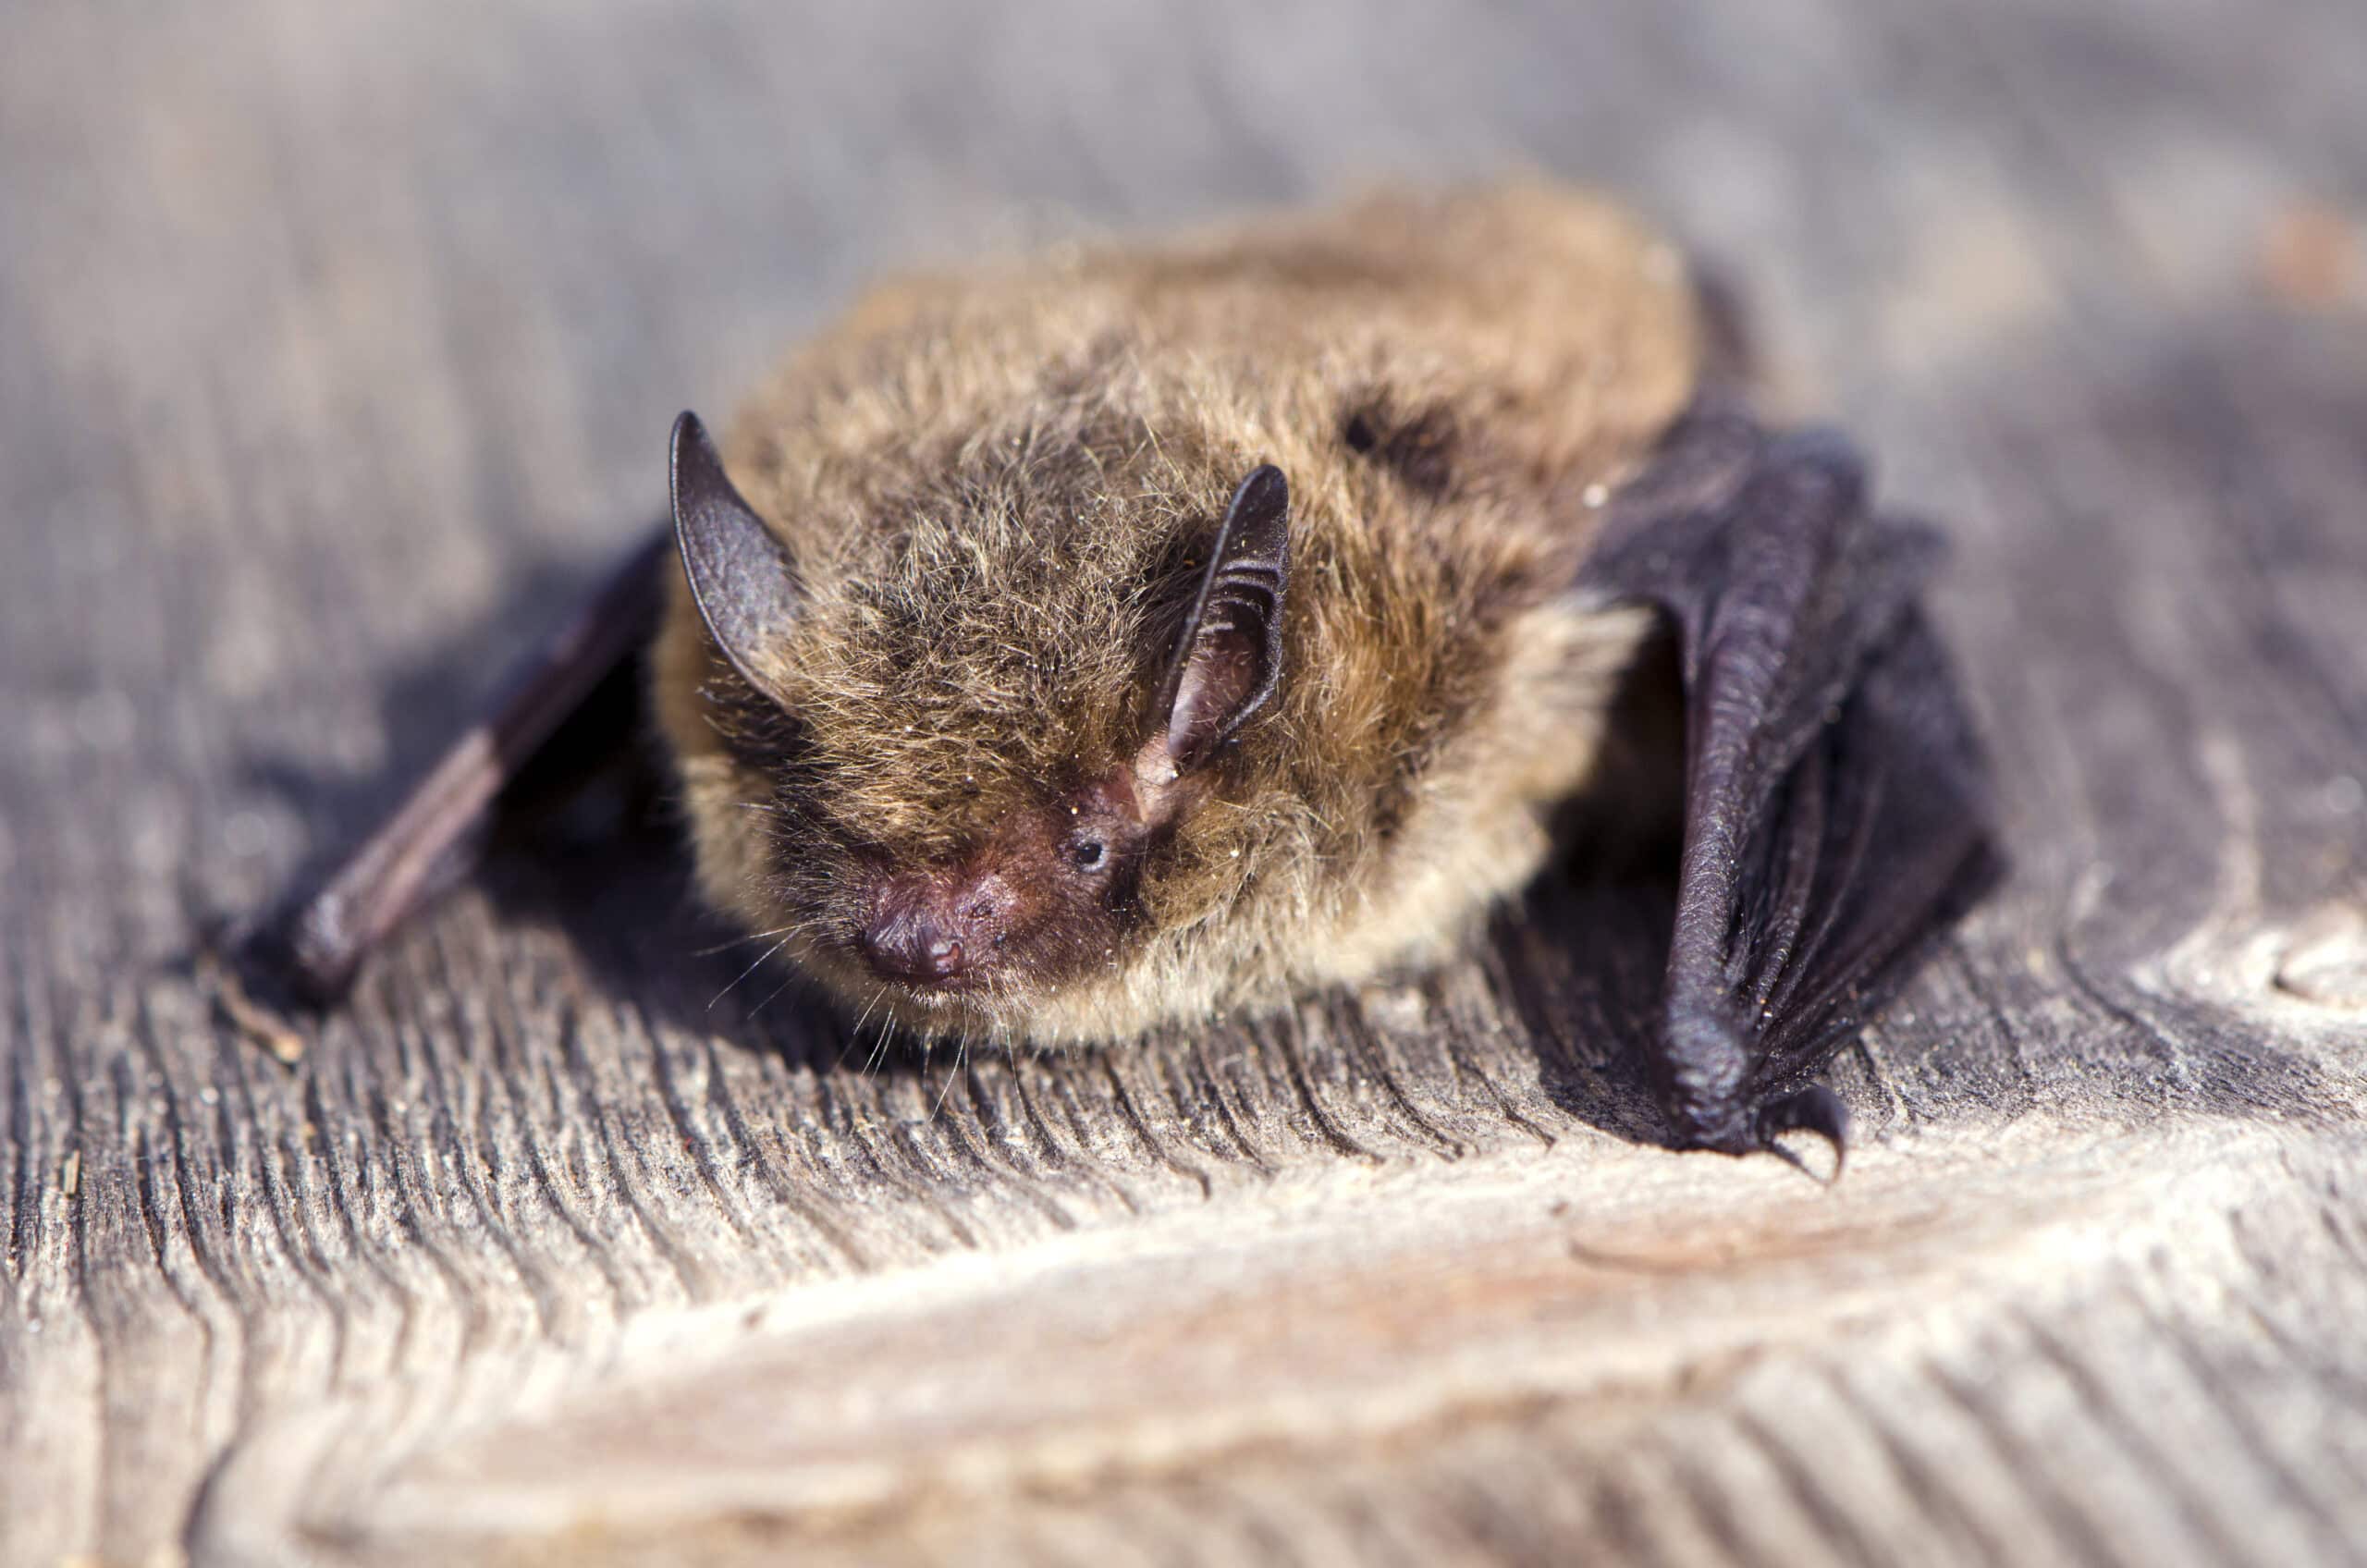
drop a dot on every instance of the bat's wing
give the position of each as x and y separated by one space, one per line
305 955
1835 799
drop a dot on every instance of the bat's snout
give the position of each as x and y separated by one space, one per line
918 953
926 932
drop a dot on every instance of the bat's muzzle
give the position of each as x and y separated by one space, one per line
926 932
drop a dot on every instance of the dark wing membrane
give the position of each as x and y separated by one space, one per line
1834 805
306 955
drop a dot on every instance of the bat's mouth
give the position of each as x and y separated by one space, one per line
942 990
973 1005
910 979
925 961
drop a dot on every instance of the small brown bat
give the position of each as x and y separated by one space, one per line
1156 631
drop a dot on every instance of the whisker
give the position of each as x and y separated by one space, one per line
745 973
879 1047
773 994
961 1056
730 942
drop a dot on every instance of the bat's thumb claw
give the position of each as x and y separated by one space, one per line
1813 1109
244 973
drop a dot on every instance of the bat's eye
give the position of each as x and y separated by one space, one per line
1088 854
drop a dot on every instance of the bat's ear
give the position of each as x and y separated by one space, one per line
1229 656
742 577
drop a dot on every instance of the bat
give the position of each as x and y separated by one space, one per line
1155 631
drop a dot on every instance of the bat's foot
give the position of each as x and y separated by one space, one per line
1813 1109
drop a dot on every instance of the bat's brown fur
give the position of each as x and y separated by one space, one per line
997 490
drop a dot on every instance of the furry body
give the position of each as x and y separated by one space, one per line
1152 632
997 492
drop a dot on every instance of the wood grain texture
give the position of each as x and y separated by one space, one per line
340 347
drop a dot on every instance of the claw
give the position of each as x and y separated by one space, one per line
1813 1109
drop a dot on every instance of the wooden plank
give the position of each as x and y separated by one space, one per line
341 345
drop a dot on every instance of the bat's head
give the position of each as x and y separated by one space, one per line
970 770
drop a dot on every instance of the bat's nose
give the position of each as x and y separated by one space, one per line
919 934
913 948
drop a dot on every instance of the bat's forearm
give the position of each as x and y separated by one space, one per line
310 953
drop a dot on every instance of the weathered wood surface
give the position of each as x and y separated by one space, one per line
341 343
